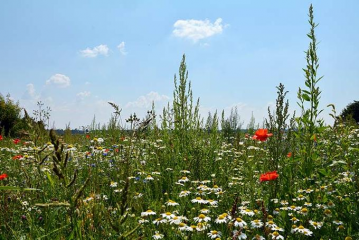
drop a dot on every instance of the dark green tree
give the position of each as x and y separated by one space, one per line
351 111
10 116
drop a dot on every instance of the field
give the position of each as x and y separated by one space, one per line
174 175
181 185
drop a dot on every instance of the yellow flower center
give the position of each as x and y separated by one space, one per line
202 216
327 211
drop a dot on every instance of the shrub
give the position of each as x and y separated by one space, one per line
10 116
351 111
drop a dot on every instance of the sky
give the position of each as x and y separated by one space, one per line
76 56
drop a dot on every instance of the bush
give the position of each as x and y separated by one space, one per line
351 111
10 116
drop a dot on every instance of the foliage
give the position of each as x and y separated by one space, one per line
351 111
309 124
232 125
10 116
187 180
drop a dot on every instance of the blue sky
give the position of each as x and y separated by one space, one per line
75 56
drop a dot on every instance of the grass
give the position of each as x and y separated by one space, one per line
181 178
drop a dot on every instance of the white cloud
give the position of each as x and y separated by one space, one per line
204 45
197 29
122 49
30 89
146 101
83 95
30 93
59 80
94 52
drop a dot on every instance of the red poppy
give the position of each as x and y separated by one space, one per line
88 136
262 135
269 176
3 176
0 137
289 154
16 141
17 157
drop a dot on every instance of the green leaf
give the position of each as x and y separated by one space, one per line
50 179
323 172
306 91
54 204
306 97
11 188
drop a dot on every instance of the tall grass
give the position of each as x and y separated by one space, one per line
176 176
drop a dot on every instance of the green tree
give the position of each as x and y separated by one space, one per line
10 116
351 111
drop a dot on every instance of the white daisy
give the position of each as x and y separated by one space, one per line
171 203
147 213
214 234
240 223
202 218
256 223
184 193
157 235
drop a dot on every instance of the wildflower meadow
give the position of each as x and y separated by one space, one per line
177 175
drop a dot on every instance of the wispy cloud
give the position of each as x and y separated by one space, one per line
30 93
94 52
146 101
197 29
83 95
59 80
122 49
